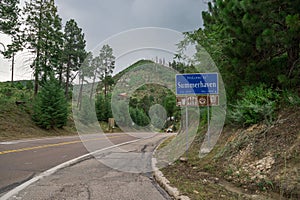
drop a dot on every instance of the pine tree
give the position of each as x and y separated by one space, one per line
42 35
10 25
103 107
253 41
86 71
50 106
97 72
107 60
74 52
9 13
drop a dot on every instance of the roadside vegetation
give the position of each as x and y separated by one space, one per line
255 45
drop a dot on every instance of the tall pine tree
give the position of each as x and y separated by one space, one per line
74 52
42 35
253 41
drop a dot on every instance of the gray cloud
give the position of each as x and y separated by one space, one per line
100 19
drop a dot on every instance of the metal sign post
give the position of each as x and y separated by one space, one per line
206 86
187 129
208 123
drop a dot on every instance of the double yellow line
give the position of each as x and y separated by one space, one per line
51 145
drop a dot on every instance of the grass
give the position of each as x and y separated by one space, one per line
15 120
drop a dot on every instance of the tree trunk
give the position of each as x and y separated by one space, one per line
37 63
80 94
93 85
105 85
67 80
293 57
60 76
36 72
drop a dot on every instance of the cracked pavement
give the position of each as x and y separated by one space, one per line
91 179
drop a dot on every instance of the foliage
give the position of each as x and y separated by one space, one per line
169 103
10 25
42 35
50 108
291 97
257 104
8 15
102 67
252 41
74 52
86 114
139 117
103 107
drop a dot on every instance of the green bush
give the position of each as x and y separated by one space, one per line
139 117
256 104
50 108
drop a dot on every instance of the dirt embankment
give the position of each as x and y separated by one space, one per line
259 162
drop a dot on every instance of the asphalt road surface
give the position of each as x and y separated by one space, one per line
23 159
92 179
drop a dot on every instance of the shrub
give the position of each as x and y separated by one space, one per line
50 108
257 104
139 117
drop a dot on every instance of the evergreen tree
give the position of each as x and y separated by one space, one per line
139 117
97 71
103 107
253 41
86 71
107 60
100 106
169 102
9 13
74 52
42 35
103 66
10 25
50 108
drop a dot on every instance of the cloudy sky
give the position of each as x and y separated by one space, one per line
101 19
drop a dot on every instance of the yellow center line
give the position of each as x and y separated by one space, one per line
51 145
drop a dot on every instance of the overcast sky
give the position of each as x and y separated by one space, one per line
101 19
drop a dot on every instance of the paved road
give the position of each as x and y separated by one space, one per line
23 159
90 179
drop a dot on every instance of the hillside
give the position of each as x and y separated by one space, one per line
259 162
16 107
15 114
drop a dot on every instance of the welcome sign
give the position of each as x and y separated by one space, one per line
197 84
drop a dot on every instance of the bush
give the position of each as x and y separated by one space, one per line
139 117
50 108
257 104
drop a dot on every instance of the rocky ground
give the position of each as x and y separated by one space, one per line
260 162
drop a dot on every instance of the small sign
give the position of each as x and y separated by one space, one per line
197 84
203 100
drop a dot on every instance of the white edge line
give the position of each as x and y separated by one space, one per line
51 171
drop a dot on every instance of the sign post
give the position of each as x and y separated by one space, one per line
187 130
206 86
